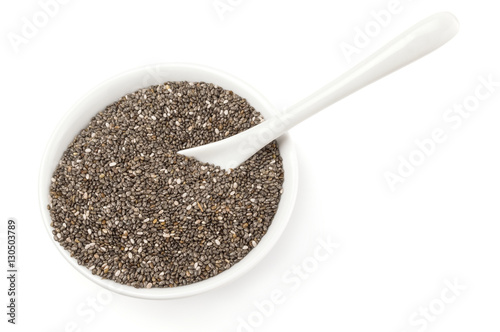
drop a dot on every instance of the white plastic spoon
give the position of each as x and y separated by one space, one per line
419 40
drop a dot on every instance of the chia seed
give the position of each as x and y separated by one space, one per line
130 209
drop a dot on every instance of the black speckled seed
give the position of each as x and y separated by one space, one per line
131 209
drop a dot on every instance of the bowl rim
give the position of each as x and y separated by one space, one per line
255 98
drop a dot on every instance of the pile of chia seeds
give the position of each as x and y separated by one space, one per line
132 210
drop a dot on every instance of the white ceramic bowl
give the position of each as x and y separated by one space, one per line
111 90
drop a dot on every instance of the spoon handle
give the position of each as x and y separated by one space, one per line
419 40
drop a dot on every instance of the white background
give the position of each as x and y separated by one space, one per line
397 248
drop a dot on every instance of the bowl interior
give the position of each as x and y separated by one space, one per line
111 90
